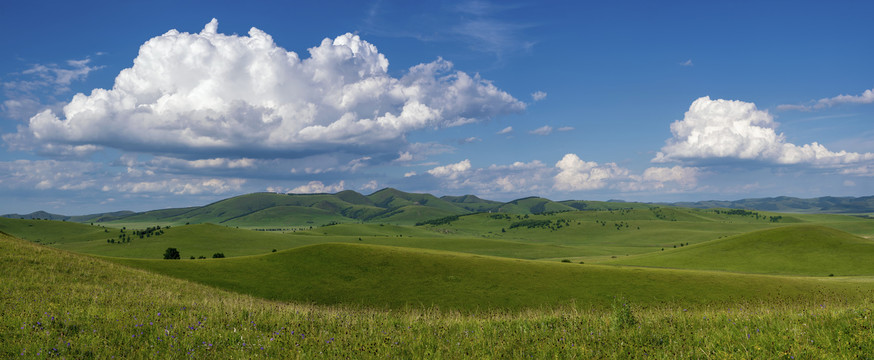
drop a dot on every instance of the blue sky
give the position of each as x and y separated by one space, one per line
110 105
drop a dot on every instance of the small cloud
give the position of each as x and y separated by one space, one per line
410 174
404 156
62 76
318 187
867 97
543 130
506 130
451 171
469 140
687 63
371 185
538 95
565 128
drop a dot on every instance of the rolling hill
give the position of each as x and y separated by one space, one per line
397 278
811 250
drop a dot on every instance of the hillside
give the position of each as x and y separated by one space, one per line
396 278
791 250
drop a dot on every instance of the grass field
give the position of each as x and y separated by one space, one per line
397 278
57 304
792 250
657 282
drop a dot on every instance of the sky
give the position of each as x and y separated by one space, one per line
130 105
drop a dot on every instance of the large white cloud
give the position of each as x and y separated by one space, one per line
731 129
213 93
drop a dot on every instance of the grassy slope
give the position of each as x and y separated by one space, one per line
53 232
193 240
389 277
286 216
797 250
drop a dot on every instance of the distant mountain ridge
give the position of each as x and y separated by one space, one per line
42 215
394 206
825 204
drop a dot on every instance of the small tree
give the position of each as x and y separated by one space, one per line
171 254
218 255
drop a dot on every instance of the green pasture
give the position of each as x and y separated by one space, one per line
396 278
791 250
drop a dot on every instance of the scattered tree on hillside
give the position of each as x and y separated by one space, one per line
218 255
171 254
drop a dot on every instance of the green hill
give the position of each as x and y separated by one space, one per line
472 203
532 205
390 277
791 250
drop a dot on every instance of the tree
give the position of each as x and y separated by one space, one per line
218 255
171 254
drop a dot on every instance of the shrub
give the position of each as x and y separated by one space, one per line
622 317
565 261
171 254
218 255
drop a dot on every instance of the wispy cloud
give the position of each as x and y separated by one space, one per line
687 63
469 140
867 97
484 26
538 95
542 131
37 88
506 130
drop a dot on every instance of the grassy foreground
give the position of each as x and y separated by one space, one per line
55 304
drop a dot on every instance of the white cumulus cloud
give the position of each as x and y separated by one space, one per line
575 174
451 171
212 93
538 95
731 129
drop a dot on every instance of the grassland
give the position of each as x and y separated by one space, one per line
397 278
657 282
57 304
792 250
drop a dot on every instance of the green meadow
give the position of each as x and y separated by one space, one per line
415 276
